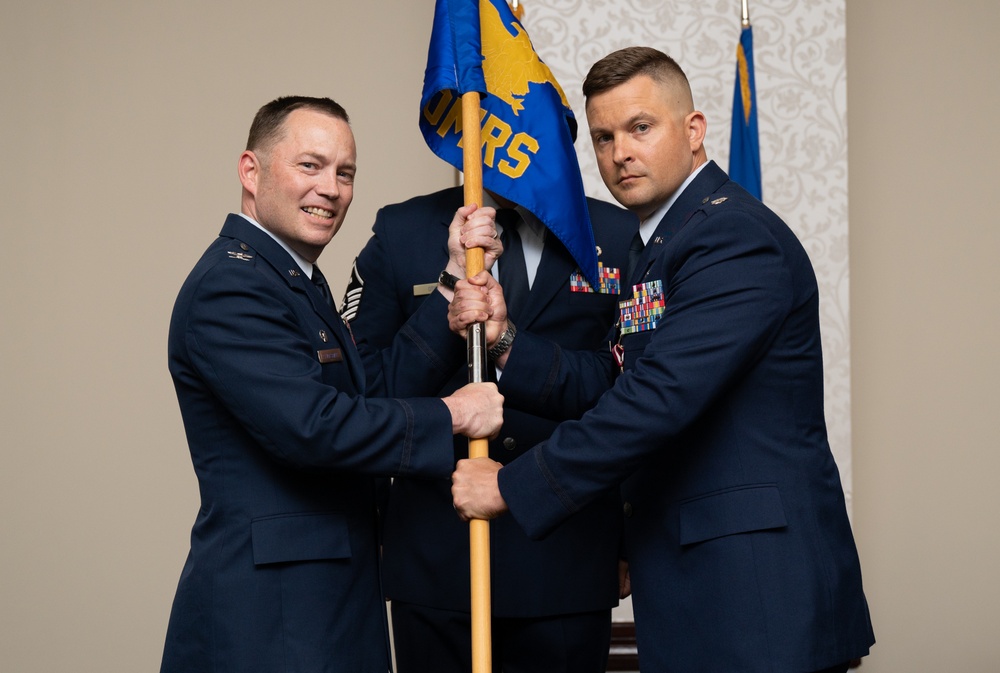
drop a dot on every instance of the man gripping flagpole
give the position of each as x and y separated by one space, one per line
744 144
493 109
454 66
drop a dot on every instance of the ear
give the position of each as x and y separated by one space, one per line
249 169
697 126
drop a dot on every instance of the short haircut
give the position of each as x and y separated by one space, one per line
266 128
620 66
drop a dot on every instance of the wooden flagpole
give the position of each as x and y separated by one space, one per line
479 529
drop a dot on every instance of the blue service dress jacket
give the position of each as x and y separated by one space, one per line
740 549
287 444
426 546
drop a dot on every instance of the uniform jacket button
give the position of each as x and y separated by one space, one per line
627 509
509 443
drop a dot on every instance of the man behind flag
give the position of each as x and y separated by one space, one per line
552 599
744 144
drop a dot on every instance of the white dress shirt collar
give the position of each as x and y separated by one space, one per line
533 234
648 226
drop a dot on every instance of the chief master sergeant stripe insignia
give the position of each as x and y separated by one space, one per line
352 296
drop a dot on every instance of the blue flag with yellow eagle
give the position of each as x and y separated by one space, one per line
744 144
527 124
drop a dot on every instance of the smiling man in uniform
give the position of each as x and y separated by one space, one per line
287 437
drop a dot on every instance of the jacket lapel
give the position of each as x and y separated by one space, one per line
339 327
690 200
282 263
551 278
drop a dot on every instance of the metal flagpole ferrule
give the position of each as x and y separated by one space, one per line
477 354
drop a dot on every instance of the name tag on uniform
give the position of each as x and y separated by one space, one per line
330 355
609 279
423 289
643 311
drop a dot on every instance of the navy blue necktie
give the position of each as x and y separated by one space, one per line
319 280
634 252
513 271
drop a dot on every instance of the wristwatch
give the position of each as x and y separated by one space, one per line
448 280
503 343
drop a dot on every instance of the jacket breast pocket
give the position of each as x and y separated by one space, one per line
738 510
311 536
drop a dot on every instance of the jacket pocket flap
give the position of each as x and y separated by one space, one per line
739 510
300 537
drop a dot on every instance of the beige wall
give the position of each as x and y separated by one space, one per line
121 126
925 299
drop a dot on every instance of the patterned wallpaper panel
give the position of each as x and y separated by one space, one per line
801 73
